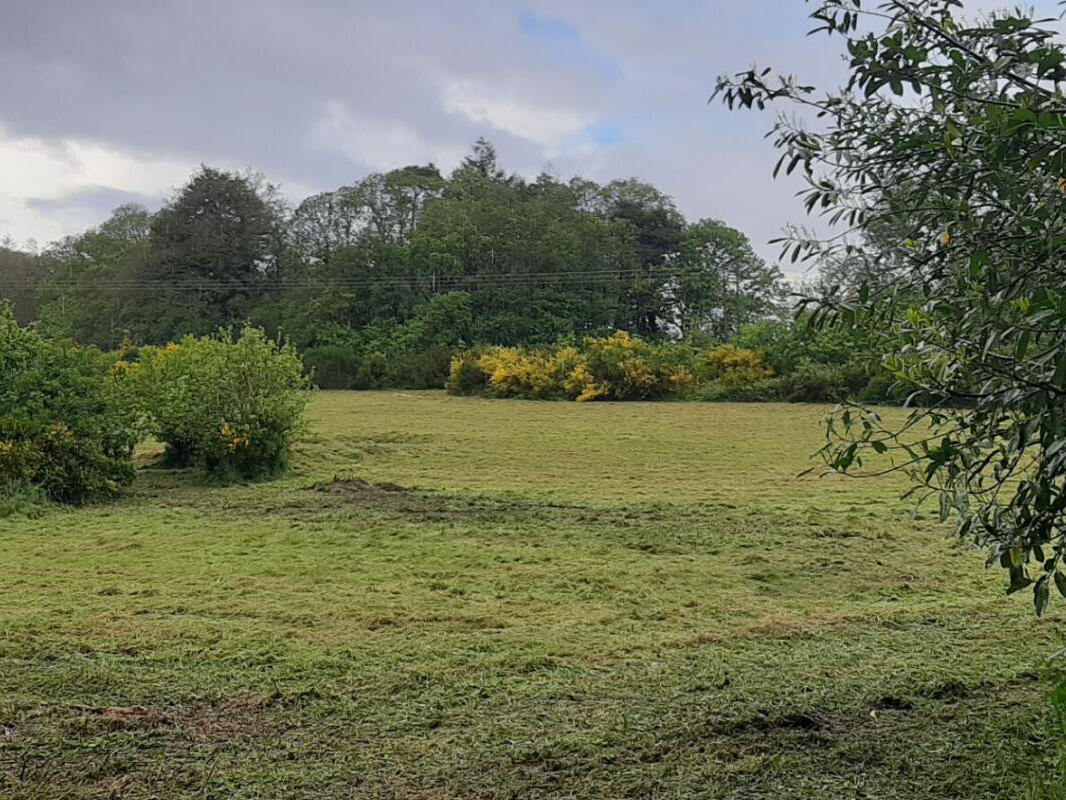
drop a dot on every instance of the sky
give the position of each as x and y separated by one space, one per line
115 101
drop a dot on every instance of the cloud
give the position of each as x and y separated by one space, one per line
47 187
543 125
52 188
113 96
49 169
380 144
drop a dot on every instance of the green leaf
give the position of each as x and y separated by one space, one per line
1060 582
1041 594
1021 346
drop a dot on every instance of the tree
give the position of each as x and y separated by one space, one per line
366 267
719 284
217 241
326 222
482 161
536 265
955 133
20 273
98 282
654 227
396 200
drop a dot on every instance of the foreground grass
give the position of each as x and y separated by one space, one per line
468 598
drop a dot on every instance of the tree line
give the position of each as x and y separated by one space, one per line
407 260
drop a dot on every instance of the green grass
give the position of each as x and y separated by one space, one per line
543 600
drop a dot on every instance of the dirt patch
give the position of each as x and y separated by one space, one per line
946 691
892 703
239 717
411 503
358 487
811 722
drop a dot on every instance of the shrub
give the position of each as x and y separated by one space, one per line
539 374
813 383
230 406
765 391
338 366
67 430
622 367
733 366
333 366
817 383
617 367
22 500
786 347
882 387
810 383
419 369
466 375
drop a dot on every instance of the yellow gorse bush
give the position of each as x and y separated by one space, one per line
120 368
17 460
538 374
734 366
615 367
580 384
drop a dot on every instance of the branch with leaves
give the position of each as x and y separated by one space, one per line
945 155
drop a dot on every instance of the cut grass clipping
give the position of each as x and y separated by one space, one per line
457 597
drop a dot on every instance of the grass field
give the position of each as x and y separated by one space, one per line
465 598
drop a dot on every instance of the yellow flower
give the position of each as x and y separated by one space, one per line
592 391
172 348
120 368
945 239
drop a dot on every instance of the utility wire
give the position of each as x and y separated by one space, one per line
518 280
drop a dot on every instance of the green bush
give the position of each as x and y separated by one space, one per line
810 383
817 383
67 429
882 388
21 500
764 391
333 366
230 406
787 347
418 369
337 366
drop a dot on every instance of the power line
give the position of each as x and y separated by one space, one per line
517 280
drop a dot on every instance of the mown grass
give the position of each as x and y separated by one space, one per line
454 597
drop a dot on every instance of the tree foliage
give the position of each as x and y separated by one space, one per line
20 274
230 405
383 279
215 242
720 284
66 427
945 155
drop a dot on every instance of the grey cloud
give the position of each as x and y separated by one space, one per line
253 82
99 200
